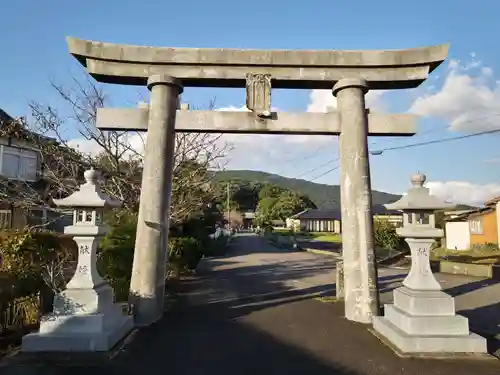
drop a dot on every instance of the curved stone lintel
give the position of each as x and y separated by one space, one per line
227 56
127 64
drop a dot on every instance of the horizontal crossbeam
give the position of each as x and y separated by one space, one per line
308 123
225 67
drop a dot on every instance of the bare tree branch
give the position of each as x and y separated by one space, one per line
119 155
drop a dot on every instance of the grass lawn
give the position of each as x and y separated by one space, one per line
318 236
285 231
475 256
327 237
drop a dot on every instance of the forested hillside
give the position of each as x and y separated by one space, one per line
323 196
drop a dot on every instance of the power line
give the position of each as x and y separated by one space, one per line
325 173
436 129
318 167
382 150
302 159
435 141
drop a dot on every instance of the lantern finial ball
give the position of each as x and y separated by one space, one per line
91 176
418 179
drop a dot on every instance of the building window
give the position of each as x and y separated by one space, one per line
17 163
476 226
5 219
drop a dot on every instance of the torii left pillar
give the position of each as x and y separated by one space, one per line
147 286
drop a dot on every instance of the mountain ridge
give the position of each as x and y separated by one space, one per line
323 195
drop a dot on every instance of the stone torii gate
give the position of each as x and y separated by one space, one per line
165 71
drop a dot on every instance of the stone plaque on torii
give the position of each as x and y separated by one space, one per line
165 71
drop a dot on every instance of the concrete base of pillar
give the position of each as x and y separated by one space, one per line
425 322
80 333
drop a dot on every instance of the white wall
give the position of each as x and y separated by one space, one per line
457 235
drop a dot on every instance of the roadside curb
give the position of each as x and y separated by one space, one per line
322 252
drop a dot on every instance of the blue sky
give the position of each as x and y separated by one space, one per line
32 36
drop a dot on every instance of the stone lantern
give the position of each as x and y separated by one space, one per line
422 318
85 316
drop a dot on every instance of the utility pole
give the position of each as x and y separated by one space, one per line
229 204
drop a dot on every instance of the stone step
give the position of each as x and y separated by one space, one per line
437 325
424 302
416 344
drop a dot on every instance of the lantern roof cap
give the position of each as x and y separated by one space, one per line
418 197
89 194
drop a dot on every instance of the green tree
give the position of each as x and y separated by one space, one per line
266 211
270 191
246 197
288 203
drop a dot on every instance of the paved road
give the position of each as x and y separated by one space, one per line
253 313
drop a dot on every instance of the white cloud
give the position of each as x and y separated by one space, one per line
320 100
461 192
492 161
236 109
469 100
133 144
85 146
269 152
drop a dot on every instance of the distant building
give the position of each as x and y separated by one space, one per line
318 220
473 227
248 218
330 220
394 217
483 223
20 162
457 231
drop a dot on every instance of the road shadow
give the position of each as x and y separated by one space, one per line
485 321
213 340
389 283
470 287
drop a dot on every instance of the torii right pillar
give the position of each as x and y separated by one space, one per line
360 273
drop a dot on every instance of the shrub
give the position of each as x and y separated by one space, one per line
18 313
33 266
36 259
116 252
385 235
184 253
485 248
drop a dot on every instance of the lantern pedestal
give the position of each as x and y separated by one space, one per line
425 322
422 318
85 316
79 332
